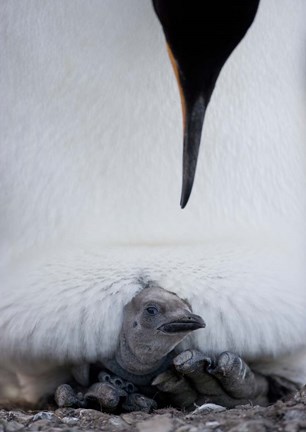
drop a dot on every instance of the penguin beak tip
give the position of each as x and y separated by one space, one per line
185 197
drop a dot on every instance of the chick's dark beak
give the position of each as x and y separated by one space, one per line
184 324
201 34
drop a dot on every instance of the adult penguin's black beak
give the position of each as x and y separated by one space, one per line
200 34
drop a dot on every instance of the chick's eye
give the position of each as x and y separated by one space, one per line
152 310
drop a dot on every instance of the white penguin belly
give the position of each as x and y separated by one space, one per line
69 308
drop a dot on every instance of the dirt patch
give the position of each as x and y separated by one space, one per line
289 416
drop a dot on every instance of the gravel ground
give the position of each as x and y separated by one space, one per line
289 416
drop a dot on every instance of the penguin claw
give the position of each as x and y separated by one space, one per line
116 381
194 365
236 377
130 388
191 361
112 392
104 376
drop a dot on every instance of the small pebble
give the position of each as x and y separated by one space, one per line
128 418
295 414
90 414
71 421
252 426
11 426
157 423
44 415
187 428
208 408
117 422
20 417
212 424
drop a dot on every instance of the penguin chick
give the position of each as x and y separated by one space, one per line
155 321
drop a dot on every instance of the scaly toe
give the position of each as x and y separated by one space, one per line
106 395
191 362
106 377
235 376
230 368
229 364
66 397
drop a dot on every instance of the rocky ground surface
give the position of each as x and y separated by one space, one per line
289 416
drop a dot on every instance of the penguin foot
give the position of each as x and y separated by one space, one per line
226 380
176 388
116 381
236 377
129 397
111 394
103 396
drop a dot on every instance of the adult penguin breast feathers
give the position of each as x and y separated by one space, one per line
90 143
